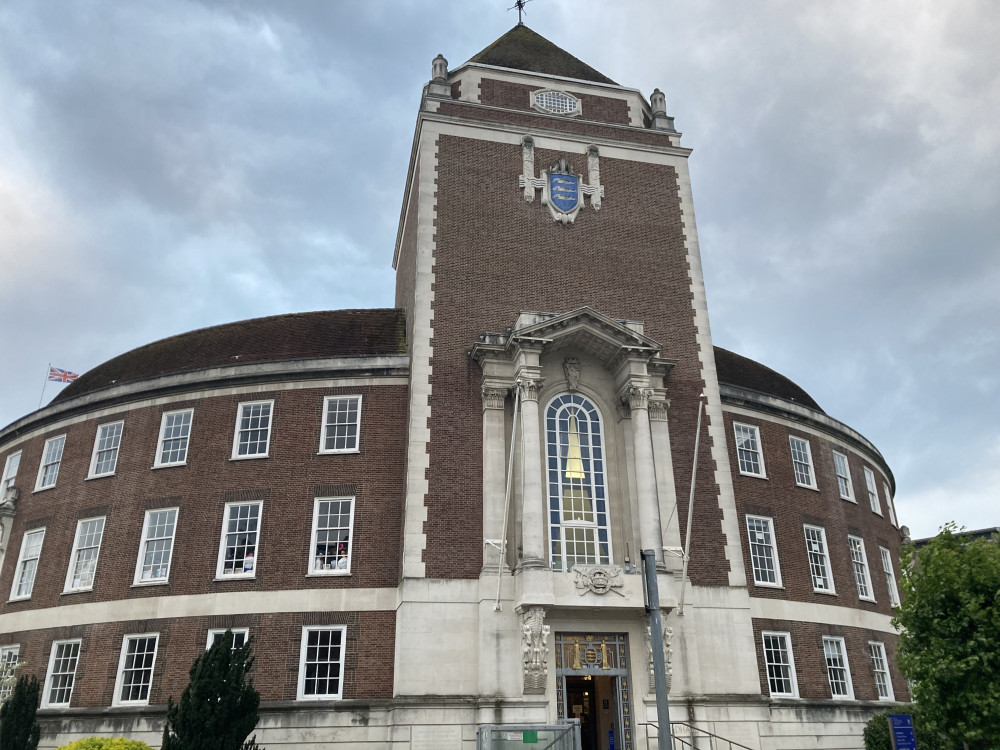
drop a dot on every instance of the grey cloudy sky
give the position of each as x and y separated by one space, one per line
168 164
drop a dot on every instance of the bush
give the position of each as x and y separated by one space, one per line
18 729
218 708
106 743
877 735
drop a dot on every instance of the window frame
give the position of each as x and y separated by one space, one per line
47 685
884 657
116 699
220 573
787 638
890 505
536 105
759 450
813 484
847 468
865 567
212 632
236 456
565 525
872 488
143 541
890 576
14 596
43 463
303 647
772 545
323 450
10 653
70 571
826 559
8 477
158 462
313 570
842 653
92 471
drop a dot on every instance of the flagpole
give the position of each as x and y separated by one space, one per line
44 383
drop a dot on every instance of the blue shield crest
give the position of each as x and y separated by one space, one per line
564 191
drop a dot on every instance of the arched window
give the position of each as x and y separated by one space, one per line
578 507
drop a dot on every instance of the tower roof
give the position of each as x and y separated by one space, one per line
523 49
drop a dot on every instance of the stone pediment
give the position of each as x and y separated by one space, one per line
585 330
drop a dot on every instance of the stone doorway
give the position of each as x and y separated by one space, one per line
593 684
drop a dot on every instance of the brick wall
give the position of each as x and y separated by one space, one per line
565 124
790 507
497 93
810 661
287 482
497 255
276 638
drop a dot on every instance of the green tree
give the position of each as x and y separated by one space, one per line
218 708
950 640
18 728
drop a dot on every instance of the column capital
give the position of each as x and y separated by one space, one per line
494 398
658 409
528 387
636 397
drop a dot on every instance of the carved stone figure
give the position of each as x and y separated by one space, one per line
572 369
535 647
668 657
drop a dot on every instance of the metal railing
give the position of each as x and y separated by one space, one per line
687 736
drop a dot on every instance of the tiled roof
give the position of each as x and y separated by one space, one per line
523 49
742 372
329 333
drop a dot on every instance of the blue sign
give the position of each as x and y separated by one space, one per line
564 191
901 728
611 739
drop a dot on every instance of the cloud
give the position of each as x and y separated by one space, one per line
176 164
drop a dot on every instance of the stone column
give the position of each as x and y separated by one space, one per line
532 477
494 477
637 399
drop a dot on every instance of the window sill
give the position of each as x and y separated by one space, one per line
144 584
812 487
326 573
247 577
166 466
317 698
42 489
868 599
769 585
19 599
67 592
98 476
824 592
249 458
755 476
329 453
849 499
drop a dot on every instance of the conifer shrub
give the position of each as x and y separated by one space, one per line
218 708
18 728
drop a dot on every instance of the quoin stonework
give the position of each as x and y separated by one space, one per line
430 518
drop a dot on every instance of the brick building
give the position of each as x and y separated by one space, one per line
430 518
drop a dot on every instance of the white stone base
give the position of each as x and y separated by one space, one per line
429 723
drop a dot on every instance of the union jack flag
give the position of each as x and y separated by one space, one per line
61 376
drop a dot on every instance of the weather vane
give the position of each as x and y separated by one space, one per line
519 4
